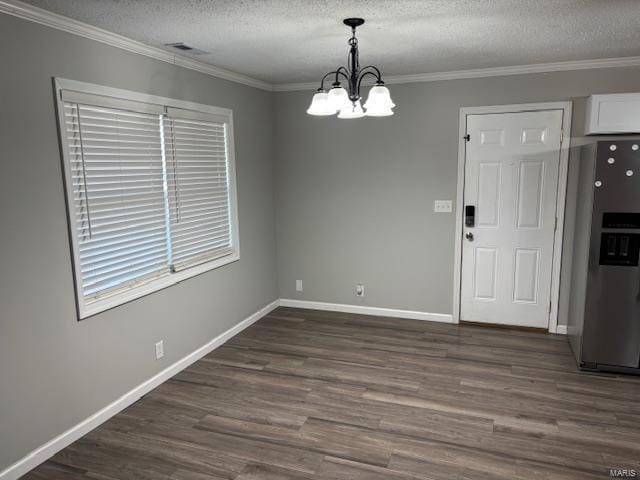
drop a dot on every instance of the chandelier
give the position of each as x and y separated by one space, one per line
346 102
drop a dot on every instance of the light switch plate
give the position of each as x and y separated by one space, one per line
443 206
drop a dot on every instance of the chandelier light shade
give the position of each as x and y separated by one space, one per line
339 98
346 100
379 103
321 105
354 110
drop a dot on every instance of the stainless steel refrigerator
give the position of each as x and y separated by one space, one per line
604 302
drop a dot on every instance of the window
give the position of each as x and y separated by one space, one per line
150 189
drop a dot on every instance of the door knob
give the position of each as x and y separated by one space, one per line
469 236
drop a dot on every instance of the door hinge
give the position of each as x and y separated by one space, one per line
550 307
467 137
555 224
561 135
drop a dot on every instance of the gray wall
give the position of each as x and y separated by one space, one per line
355 197
54 370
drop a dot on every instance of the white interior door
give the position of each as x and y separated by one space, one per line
511 178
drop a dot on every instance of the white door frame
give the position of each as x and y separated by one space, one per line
560 200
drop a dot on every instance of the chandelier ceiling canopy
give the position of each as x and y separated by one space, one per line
346 102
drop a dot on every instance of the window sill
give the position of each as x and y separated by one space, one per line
89 309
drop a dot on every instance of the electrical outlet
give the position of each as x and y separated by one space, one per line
359 290
443 206
159 349
298 285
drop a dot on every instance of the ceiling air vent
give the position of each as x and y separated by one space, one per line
185 48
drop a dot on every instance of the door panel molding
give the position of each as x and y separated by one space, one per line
485 288
526 260
525 192
487 211
527 137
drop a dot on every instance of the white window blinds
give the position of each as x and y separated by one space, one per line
198 188
150 193
116 168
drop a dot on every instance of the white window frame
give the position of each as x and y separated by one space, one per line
147 287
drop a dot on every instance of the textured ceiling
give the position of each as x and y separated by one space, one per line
290 41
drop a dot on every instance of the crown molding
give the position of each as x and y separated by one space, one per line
487 72
66 24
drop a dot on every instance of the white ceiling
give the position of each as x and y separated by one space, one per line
292 41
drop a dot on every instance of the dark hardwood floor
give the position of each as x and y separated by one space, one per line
314 395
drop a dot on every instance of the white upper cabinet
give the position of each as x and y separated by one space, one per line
616 113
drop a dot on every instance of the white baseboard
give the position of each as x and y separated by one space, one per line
561 329
53 446
364 310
